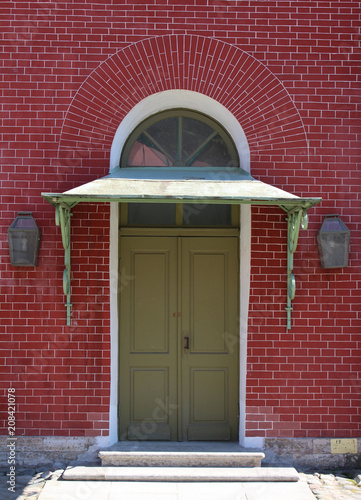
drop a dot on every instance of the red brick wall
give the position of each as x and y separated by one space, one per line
289 71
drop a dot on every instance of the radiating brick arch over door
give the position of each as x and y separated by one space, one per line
219 70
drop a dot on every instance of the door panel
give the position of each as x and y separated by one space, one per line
207 385
148 339
150 302
206 301
208 409
149 389
167 383
209 317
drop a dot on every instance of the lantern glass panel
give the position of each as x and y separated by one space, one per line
24 240
23 223
333 241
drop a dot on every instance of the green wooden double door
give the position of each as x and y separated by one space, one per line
179 346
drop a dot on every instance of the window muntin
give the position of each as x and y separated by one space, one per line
179 138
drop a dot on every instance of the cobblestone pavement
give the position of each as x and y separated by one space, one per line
340 485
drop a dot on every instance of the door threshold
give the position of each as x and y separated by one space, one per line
179 446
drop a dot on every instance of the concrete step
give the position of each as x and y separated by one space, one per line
180 459
135 490
182 474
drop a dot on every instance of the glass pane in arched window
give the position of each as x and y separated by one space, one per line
195 136
215 153
164 133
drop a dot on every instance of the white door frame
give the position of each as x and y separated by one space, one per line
150 105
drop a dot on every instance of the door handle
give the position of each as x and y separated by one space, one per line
186 343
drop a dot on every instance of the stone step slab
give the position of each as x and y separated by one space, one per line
182 474
117 490
180 459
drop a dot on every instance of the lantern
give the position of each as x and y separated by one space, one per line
24 240
333 241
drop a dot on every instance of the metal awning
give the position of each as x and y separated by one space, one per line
182 185
196 185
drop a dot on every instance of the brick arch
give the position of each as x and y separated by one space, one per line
219 70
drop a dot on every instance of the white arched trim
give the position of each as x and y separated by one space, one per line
186 99
150 105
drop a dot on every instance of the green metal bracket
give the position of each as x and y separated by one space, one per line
296 218
63 217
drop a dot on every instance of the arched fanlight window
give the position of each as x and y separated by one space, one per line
179 138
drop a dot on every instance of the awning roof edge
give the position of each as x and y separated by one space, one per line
241 189
286 203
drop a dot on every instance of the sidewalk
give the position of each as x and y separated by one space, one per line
44 483
62 490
